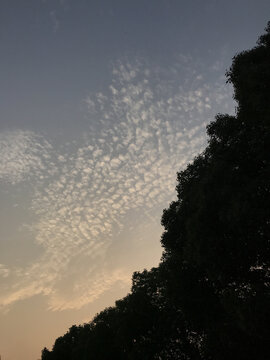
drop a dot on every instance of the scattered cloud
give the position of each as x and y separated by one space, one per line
146 126
23 154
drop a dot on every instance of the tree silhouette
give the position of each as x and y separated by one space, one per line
216 235
209 297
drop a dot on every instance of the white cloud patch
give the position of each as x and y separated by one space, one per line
145 127
4 271
23 154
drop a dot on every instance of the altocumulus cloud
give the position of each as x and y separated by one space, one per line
23 154
145 127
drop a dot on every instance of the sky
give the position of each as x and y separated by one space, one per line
102 103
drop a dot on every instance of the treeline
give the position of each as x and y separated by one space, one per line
209 297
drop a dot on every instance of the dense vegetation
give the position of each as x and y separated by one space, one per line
209 297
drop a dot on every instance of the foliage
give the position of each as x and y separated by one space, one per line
209 297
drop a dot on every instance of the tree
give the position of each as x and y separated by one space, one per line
216 237
209 297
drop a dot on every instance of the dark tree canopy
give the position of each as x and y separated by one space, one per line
209 297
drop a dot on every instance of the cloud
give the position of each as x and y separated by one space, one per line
55 21
23 154
146 126
4 271
89 292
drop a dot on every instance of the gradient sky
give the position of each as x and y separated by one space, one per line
102 102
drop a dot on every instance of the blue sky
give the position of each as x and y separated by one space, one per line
102 102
